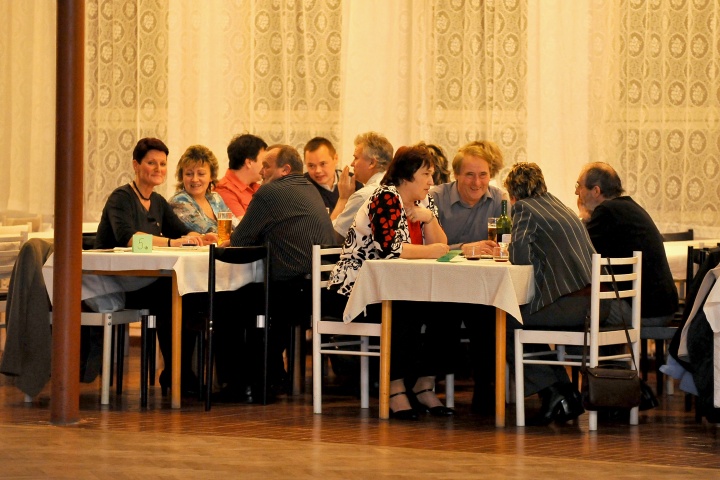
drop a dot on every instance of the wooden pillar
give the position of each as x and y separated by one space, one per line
69 135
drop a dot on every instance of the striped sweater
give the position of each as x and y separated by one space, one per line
549 236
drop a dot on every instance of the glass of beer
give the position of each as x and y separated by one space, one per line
224 226
492 229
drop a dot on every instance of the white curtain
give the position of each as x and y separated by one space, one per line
631 82
27 105
655 106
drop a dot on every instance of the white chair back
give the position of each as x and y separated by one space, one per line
601 288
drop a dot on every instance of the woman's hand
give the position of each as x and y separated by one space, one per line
437 250
486 247
209 238
187 240
419 214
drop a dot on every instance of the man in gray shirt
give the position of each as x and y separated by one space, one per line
464 207
466 203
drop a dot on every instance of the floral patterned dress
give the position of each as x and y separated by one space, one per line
379 231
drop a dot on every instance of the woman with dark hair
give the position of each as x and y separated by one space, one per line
393 224
196 203
549 236
136 208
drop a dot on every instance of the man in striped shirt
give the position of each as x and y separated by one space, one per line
287 213
549 236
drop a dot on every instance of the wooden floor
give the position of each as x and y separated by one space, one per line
285 440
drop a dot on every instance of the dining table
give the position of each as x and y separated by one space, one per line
676 253
107 272
459 280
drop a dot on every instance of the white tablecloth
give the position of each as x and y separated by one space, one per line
486 282
676 253
190 266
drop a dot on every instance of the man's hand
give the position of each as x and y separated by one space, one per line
346 184
486 247
583 212
209 238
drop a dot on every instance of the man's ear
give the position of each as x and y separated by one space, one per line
247 162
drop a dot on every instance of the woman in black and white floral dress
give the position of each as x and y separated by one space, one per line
393 224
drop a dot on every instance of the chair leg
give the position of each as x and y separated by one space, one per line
450 390
106 363
634 415
209 365
659 360
266 329
144 341
317 366
120 358
644 359
592 420
152 351
519 382
364 374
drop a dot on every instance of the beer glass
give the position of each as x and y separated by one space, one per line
224 226
492 229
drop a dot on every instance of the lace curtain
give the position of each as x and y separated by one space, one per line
657 118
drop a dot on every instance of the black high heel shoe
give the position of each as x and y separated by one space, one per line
437 411
561 403
409 414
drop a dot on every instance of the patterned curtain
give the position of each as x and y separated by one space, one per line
475 84
657 119
125 90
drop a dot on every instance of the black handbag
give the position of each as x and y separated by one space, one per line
609 386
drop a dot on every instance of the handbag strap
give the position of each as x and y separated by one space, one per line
622 317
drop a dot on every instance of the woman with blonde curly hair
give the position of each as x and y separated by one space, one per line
195 202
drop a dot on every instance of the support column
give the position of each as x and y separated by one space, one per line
65 384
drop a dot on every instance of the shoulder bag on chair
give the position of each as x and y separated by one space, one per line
609 386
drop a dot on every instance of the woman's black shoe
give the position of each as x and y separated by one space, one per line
409 414
560 403
437 411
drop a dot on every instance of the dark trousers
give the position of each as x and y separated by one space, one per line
411 355
156 297
565 312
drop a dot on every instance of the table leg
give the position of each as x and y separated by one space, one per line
385 359
499 367
176 344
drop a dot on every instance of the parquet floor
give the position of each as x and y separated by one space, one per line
285 440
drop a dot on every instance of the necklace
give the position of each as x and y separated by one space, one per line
147 199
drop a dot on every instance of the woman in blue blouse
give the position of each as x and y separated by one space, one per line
195 202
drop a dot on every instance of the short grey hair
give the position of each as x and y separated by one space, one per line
376 146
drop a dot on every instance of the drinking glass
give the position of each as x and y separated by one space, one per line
224 226
500 253
492 229
474 253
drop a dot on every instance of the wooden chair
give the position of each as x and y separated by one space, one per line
235 255
109 320
598 337
35 221
11 238
334 326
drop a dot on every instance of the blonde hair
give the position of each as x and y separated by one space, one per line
197 154
484 149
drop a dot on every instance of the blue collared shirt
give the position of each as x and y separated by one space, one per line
463 223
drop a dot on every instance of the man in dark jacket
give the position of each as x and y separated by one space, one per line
618 226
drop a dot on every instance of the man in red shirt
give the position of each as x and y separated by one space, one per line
242 178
